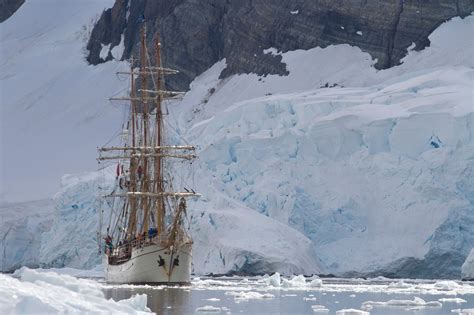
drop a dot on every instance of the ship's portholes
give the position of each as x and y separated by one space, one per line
176 261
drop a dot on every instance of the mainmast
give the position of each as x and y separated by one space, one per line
160 205
133 182
143 173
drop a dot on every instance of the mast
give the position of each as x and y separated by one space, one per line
132 202
144 97
160 205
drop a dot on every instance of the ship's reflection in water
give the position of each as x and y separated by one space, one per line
252 296
161 300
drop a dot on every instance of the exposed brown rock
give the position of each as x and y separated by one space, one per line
197 33
8 7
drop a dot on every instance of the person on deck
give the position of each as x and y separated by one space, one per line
139 172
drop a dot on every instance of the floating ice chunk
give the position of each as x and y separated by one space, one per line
213 299
309 299
452 300
69 282
359 33
416 302
296 281
400 285
299 280
447 285
295 12
250 295
352 295
137 302
208 309
319 309
351 311
47 292
467 311
274 280
380 278
316 283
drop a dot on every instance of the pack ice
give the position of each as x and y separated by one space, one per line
336 167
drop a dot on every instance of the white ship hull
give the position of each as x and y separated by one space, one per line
153 264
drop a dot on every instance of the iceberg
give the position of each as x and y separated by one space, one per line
31 292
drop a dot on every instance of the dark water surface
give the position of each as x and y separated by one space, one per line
334 295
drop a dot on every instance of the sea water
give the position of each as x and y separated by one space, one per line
257 295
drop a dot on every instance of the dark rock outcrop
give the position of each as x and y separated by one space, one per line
8 7
197 33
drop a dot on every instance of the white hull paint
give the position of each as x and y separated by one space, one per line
153 264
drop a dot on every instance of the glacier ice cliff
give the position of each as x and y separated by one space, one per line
468 267
227 240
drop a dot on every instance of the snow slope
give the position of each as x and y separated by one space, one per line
51 99
361 168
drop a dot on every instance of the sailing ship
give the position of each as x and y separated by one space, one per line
146 240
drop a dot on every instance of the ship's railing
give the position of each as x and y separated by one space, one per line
124 251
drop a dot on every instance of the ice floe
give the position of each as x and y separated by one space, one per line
274 280
452 300
351 311
416 302
208 309
250 295
447 285
319 309
400 285
467 311
296 281
31 292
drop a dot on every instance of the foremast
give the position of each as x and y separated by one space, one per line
145 195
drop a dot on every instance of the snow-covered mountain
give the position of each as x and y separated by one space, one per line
52 101
337 167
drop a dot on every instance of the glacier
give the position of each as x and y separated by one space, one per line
221 244
468 267
375 170
336 168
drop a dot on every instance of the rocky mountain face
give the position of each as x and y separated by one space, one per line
8 7
197 33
